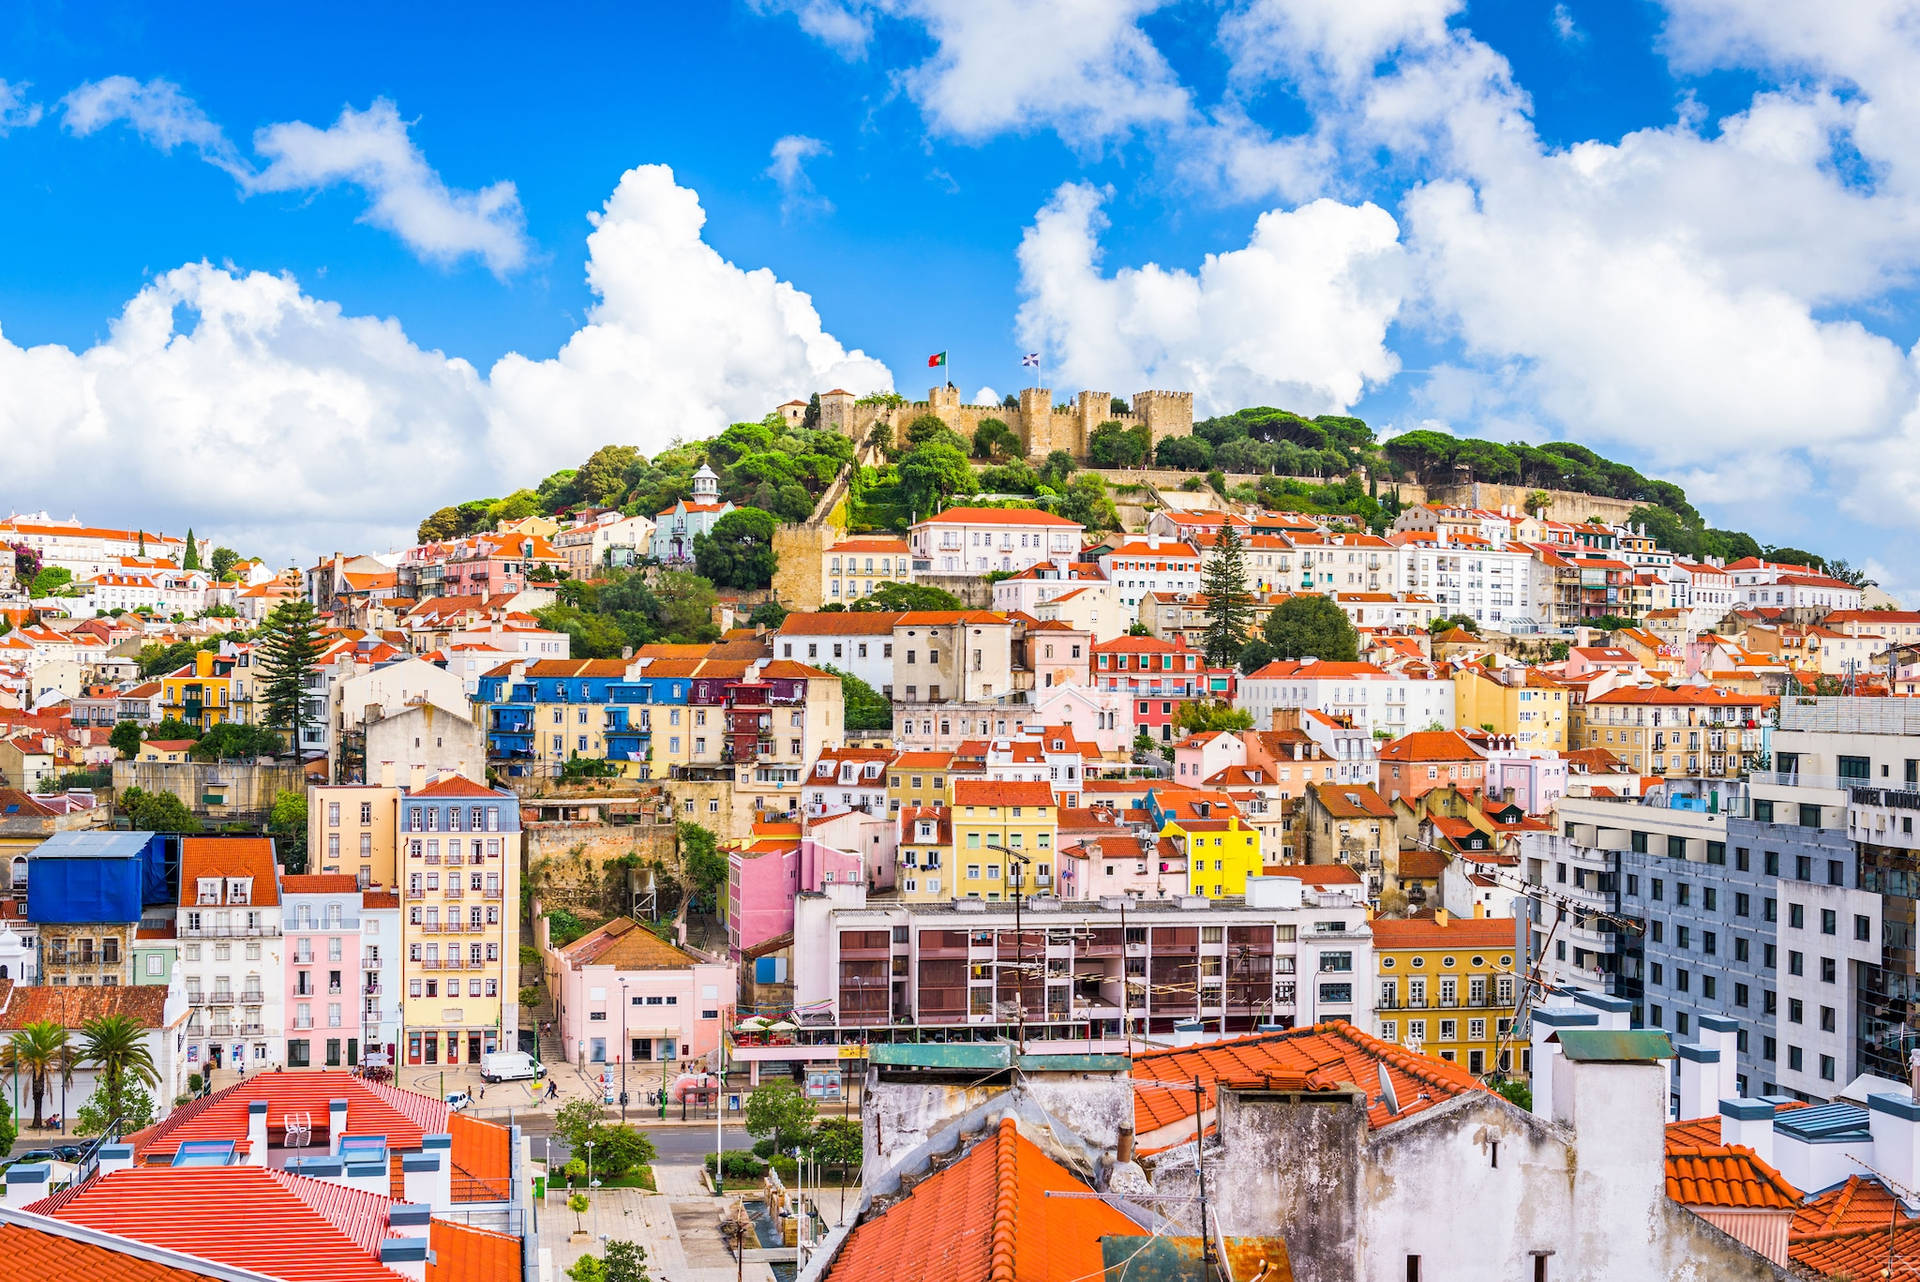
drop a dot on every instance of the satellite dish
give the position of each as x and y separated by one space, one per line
1387 1094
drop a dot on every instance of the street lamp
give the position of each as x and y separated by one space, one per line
626 1048
1016 862
589 1164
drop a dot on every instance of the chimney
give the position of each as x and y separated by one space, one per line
406 1256
427 1177
410 1221
1895 1121
257 1133
1153 542
1614 1013
1748 1122
1723 1035
115 1157
1547 1059
1123 1151
336 1125
1699 1080
27 1184
418 778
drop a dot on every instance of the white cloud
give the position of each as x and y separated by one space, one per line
843 27
331 431
158 111
371 150
15 111
1337 39
790 156
1297 318
368 149
1565 28
985 396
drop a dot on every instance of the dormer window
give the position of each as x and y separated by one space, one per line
240 890
209 890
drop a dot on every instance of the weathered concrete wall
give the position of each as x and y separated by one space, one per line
1562 505
974 591
246 787
568 862
1295 1170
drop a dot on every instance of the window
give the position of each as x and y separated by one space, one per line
1827 970
1829 921
1862 928
1796 917
1740 994
1742 904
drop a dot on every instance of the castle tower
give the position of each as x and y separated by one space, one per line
706 485
1036 421
1090 410
836 411
1166 414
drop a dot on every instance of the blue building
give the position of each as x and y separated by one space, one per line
539 715
85 894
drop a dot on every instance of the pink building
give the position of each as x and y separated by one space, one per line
764 876
1100 717
626 996
493 564
320 920
1059 654
1104 851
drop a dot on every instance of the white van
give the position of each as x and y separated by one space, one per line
510 1066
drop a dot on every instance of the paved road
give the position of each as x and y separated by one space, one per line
688 1144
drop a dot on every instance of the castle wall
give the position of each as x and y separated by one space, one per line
1039 425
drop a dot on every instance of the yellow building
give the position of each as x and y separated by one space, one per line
1533 710
920 779
923 860
1221 854
1447 985
200 692
352 830
853 569
1017 816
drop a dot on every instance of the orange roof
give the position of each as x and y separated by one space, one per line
1315 874
74 1005
839 623
376 899
229 857
455 786
34 1254
482 1159
1861 1203
1316 1057
997 516
988 1216
462 1253
402 1116
1688 696
332 883
1860 1253
1351 801
1456 932
1422 864
1002 792
624 944
1431 745
285 1226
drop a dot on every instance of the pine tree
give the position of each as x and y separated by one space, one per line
191 561
288 646
143 543
1228 606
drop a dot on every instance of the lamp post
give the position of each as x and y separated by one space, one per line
625 1048
1016 863
589 1166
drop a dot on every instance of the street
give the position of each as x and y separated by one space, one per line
676 1143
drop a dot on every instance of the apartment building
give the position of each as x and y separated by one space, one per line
461 888
352 830
232 954
320 927
1003 838
1448 986
977 540
1680 730
1363 695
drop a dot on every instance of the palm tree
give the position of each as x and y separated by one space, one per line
39 1050
117 1046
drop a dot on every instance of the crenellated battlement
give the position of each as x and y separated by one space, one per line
1041 425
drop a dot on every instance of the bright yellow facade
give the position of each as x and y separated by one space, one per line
1020 817
1533 712
1448 984
200 693
1221 854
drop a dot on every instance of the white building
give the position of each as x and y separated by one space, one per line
1152 564
231 952
856 641
1704 591
1372 698
1774 585
88 551
978 540
606 538
1468 574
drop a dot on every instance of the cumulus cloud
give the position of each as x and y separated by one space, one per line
336 431
156 110
15 111
1336 39
789 170
1298 317
370 149
843 27
985 396
1565 29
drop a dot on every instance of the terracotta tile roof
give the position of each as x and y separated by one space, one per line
329 883
1317 669
1688 696
37 1255
1320 1056
245 1216
462 1253
1002 792
624 944
229 857
1315 874
1421 864
1862 1202
1351 801
456 786
1431 745
70 1006
998 516
840 623
482 1159
1456 932
375 899
986 1217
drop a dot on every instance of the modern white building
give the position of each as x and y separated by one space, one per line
1774 585
1467 574
1152 564
1371 698
979 540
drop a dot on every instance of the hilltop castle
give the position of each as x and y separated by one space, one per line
1041 425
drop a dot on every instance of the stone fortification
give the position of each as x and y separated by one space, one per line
1041 425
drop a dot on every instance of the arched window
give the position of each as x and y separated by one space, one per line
19 880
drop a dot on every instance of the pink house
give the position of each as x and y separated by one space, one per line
324 982
626 996
764 876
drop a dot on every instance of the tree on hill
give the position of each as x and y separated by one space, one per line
1229 608
287 821
222 563
1114 444
1448 621
928 429
157 812
288 646
993 439
1184 453
932 473
891 597
738 553
125 738
867 710
190 559
1200 716
810 420
232 740
706 867
1310 626
1084 499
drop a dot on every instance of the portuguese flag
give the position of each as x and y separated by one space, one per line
936 360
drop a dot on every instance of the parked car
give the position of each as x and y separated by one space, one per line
511 1066
459 1100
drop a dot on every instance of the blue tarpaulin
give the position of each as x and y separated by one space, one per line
92 876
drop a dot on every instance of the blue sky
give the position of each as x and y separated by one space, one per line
1684 232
